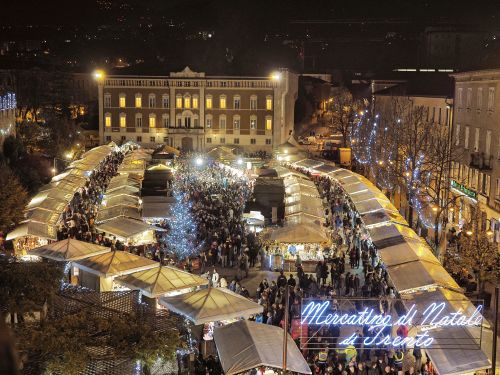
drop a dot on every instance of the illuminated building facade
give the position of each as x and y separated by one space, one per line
191 111
7 115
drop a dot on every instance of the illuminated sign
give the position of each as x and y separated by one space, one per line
435 315
463 189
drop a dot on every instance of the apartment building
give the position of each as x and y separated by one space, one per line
191 111
476 178
7 115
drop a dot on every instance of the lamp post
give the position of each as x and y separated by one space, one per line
99 76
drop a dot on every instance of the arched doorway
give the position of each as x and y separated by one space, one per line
187 144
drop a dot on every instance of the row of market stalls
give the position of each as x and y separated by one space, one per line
44 210
303 233
414 271
217 312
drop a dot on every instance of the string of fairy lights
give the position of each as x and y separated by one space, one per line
373 148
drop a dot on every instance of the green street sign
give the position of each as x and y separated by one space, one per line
463 189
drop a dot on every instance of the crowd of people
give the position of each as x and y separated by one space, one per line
77 220
218 195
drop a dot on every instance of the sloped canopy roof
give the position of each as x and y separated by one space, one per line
221 152
245 345
420 274
31 228
69 250
210 305
391 234
124 227
409 251
159 281
299 233
118 211
116 263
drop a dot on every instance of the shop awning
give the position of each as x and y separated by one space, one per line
69 250
31 228
41 215
115 263
210 305
125 228
121 200
420 274
308 163
374 204
355 187
159 281
245 345
326 168
124 190
365 195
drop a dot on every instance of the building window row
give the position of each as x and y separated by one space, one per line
138 120
479 98
237 122
117 82
236 141
122 101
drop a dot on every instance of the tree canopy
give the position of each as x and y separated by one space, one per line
13 197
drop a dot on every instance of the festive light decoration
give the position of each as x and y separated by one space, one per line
434 316
8 101
181 239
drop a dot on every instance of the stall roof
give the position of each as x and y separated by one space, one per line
408 251
115 263
156 210
456 350
124 227
31 228
420 274
124 190
117 211
308 163
210 305
69 250
355 187
299 233
159 281
374 204
391 234
121 200
365 195
326 168
41 215
245 345
381 217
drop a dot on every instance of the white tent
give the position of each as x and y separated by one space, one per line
125 228
409 251
115 263
299 233
245 345
159 281
69 250
211 305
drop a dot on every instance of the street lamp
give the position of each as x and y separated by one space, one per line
198 161
99 75
239 161
276 76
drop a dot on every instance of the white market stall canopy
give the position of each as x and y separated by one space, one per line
407 277
159 281
210 305
245 345
41 215
392 234
115 263
406 252
69 250
299 233
34 229
156 210
125 228
116 212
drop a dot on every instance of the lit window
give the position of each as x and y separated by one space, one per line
209 102
152 120
138 100
236 122
123 120
253 122
195 102
222 102
269 123
123 101
187 102
178 102
269 103
107 119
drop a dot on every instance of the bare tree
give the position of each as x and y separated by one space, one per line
344 109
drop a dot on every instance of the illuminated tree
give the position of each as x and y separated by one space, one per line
181 237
